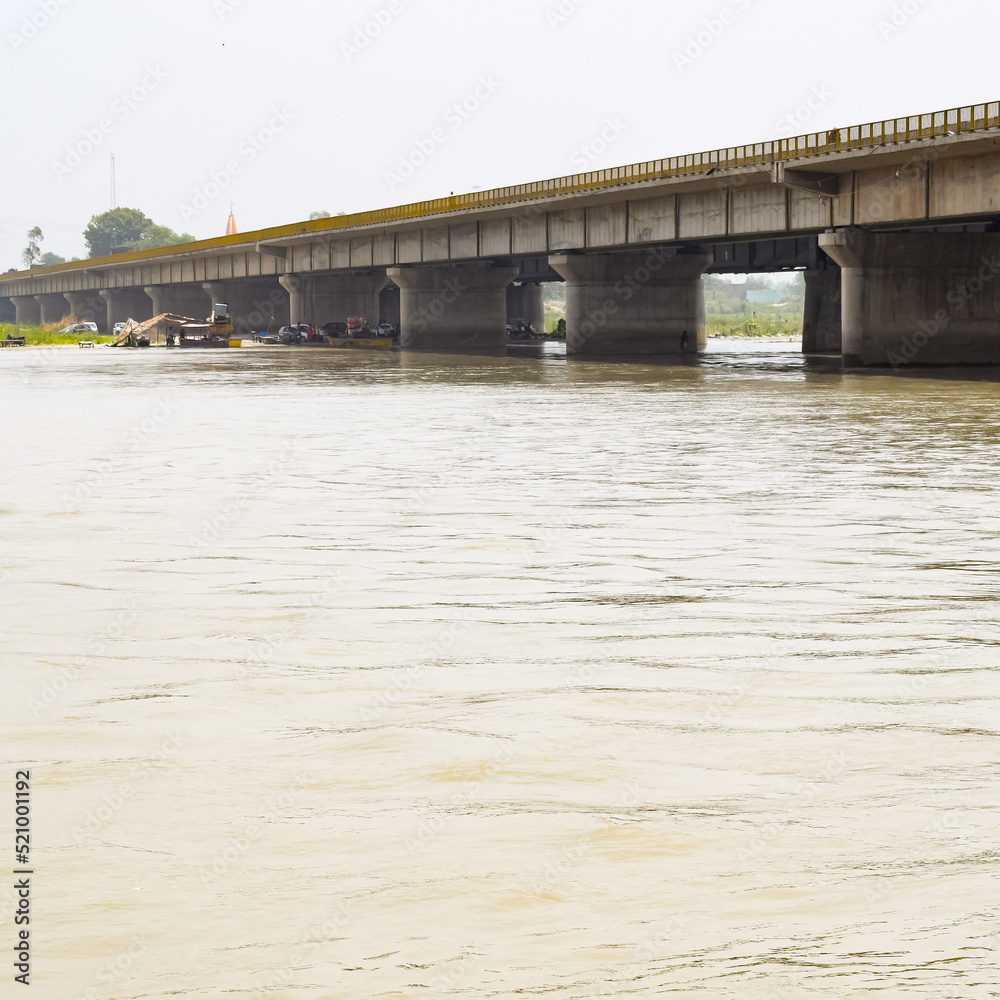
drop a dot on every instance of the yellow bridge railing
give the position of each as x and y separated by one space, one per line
973 118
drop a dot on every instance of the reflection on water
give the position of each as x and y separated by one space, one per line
412 675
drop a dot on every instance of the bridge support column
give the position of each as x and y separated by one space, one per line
634 303
88 307
182 300
328 298
27 311
255 306
526 302
823 320
8 314
459 307
125 304
54 308
918 298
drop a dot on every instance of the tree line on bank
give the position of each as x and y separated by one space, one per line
119 229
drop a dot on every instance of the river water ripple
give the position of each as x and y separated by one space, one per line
404 676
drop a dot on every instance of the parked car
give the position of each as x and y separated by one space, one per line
80 328
334 329
297 333
119 327
387 330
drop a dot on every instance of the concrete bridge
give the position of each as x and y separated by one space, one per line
896 223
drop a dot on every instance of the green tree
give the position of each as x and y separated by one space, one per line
128 227
33 251
121 227
48 259
161 236
318 215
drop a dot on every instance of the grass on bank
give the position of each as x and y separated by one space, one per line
740 325
747 326
554 313
761 321
48 335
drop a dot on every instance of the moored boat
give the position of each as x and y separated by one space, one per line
360 335
197 336
384 343
216 333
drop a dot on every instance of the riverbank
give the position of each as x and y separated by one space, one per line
41 339
716 338
765 327
745 339
44 347
49 336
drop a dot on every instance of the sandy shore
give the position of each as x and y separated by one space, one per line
76 347
250 343
715 338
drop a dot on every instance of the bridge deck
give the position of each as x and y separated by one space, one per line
814 147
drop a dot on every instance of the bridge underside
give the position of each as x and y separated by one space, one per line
647 302
927 295
904 208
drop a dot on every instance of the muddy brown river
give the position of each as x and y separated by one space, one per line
358 676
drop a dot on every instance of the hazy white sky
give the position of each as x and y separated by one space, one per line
285 108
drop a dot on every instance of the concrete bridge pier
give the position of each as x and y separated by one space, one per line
453 307
634 303
88 307
822 323
255 306
8 314
329 298
27 311
124 304
526 302
54 308
184 300
918 298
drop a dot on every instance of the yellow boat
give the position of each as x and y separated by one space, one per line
385 343
360 334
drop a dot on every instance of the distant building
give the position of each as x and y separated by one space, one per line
766 296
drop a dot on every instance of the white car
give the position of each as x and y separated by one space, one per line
80 328
118 328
